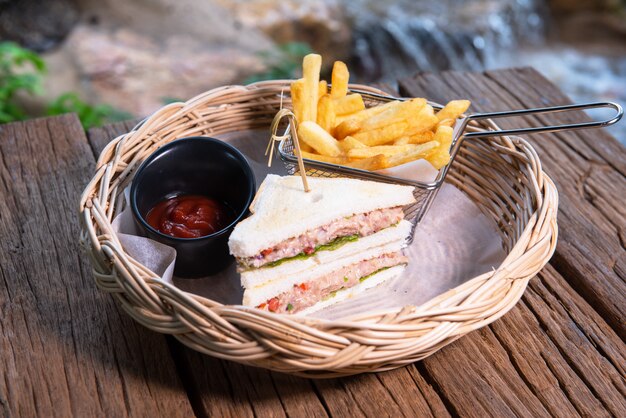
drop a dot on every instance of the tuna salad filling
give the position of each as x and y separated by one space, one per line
327 237
303 295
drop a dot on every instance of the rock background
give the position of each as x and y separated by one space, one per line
138 73
35 27
137 55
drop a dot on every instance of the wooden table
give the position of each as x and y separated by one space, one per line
68 349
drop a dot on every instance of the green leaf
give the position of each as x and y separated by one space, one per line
6 117
168 100
90 115
14 111
296 49
333 245
371 274
20 72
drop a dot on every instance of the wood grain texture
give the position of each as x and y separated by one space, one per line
222 388
66 348
400 392
587 166
551 355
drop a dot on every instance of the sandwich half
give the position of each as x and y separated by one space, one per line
300 251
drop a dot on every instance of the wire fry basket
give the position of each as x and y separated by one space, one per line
465 127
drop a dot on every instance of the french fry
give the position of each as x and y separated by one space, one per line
415 153
424 120
349 104
374 163
386 150
311 65
453 109
403 140
390 108
306 147
421 137
418 138
322 88
400 112
446 122
325 158
440 156
364 114
326 113
342 118
339 80
444 136
349 143
383 135
321 141
297 90
346 128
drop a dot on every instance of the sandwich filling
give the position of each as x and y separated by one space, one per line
325 237
304 295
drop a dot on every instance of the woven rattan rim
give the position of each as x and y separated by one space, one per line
502 175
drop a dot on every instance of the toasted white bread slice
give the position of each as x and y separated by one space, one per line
350 292
267 289
283 210
395 234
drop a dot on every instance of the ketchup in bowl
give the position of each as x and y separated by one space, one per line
189 216
189 194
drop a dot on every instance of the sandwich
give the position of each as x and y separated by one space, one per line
299 252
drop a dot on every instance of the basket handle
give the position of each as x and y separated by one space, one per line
551 128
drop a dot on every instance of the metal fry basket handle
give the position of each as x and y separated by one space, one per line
551 128
619 112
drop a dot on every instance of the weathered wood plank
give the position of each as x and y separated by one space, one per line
66 349
400 392
222 388
550 355
519 366
587 167
592 349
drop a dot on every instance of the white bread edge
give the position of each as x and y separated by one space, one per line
345 294
257 295
259 277
282 210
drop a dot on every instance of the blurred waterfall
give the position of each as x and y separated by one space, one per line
393 37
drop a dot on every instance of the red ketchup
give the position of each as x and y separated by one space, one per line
189 216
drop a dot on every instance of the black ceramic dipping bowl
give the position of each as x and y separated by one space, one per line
198 166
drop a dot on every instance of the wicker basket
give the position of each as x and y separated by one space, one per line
502 175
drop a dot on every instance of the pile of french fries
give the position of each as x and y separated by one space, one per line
335 127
